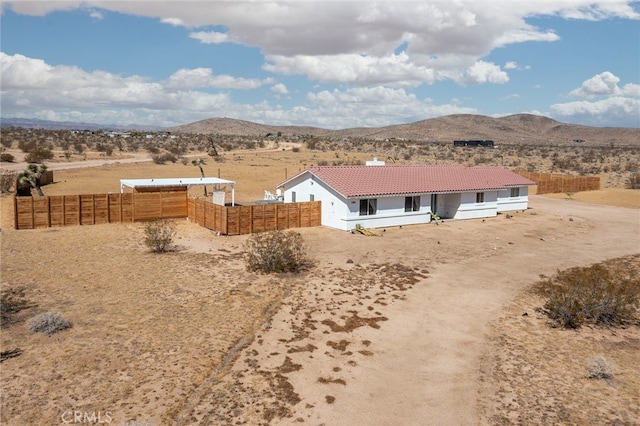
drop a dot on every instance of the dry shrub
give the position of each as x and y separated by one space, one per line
634 181
159 235
599 367
597 294
276 251
12 301
6 157
48 323
7 180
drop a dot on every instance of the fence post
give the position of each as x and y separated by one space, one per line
15 212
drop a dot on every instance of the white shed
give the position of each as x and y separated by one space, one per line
216 183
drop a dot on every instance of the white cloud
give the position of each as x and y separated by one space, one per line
371 107
483 72
210 37
392 70
176 22
614 111
603 84
511 65
203 77
316 38
33 88
97 15
631 90
280 89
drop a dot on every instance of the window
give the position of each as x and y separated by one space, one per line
368 206
412 204
515 192
293 196
312 197
479 197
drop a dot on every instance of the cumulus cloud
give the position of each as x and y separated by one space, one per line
605 83
616 106
616 111
378 50
280 89
372 107
393 70
483 72
210 37
204 77
359 35
33 88
176 22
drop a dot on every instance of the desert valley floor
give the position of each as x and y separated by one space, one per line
423 325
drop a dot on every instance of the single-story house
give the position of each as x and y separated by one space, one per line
378 195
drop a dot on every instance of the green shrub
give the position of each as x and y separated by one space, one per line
276 251
159 235
595 294
48 323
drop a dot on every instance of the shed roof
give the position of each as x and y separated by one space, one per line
133 183
363 181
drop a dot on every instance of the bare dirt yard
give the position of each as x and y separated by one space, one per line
422 325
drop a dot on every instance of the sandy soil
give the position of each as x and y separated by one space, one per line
420 326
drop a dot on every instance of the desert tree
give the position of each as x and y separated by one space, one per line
199 163
30 178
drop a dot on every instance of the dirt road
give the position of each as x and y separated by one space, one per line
425 367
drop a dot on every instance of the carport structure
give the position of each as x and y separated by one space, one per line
177 182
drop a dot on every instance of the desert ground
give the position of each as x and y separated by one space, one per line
422 325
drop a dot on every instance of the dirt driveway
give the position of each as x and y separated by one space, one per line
422 367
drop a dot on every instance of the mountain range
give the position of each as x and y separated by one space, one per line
518 128
525 128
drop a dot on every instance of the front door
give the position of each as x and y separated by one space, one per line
434 203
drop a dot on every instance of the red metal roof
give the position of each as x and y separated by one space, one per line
364 181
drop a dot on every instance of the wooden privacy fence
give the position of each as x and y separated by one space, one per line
240 220
551 183
91 209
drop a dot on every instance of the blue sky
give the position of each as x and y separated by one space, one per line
332 64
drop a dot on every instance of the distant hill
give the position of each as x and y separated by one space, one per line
517 128
34 123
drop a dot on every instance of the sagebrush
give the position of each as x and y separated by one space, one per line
596 294
276 251
599 367
159 235
48 323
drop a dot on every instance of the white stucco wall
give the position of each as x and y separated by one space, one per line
334 208
469 209
508 203
390 212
